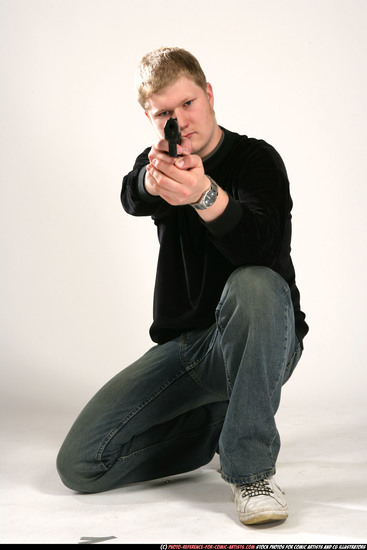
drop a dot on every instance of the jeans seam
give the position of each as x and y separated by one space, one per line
200 383
185 435
229 383
220 330
197 361
137 409
281 372
191 366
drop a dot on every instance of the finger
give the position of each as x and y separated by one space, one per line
171 190
159 149
161 146
165 168
162 158
161 180
188 162
185 146
150 182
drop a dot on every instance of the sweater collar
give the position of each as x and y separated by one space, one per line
217 155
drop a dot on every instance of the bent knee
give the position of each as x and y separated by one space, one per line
75 475
257 281
254 292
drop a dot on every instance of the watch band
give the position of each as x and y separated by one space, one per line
208 198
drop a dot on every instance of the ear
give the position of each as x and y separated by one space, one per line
209 93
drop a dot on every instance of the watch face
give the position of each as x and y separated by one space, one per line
209 197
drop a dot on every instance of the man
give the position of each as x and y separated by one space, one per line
227 321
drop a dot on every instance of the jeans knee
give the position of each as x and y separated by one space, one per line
256 281
64 468
256 290
72 476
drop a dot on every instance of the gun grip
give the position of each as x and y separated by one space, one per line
172 151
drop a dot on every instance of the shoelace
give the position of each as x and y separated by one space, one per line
255 489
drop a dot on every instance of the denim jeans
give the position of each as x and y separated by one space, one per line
207 391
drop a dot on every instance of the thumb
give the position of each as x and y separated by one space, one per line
188 162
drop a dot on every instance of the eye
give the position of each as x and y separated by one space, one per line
188 103
164 114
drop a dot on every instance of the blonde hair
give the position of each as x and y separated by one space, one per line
162 67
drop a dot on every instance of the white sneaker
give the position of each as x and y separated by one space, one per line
259 502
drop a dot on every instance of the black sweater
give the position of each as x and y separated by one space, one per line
196 258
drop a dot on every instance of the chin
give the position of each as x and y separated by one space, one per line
196 146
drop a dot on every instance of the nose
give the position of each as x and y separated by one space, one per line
182 119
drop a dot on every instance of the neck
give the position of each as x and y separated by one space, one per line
219 136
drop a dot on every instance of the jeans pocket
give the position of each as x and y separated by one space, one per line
195 345
201 356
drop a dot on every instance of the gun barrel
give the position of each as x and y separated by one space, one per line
173 135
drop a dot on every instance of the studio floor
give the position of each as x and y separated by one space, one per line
322 468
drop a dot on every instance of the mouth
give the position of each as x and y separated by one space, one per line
189 135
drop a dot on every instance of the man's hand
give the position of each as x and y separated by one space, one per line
179 180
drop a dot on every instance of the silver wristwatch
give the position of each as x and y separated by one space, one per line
208 198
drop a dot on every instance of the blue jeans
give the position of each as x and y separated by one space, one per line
207 391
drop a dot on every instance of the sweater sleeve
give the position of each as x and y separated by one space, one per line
134 197
252 228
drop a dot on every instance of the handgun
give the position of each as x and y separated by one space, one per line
173 135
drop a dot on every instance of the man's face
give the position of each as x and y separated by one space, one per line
193 109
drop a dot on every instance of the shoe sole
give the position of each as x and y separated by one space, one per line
265 517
